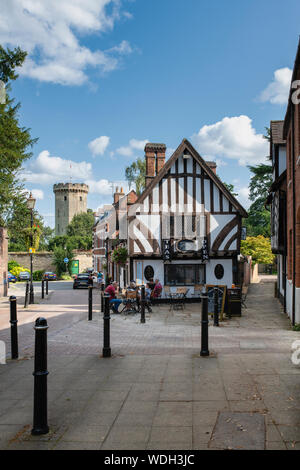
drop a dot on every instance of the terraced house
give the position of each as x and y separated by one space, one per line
184 229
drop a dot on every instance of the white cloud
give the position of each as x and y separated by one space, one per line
134 144
36 193
234 138
51 31
243 197
105 187
47 169
99 145
277 92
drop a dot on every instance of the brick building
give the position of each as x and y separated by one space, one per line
3 262
291 133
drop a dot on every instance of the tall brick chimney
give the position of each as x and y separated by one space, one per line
212 166
118 194
155 155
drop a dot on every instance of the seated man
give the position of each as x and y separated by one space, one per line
148 297
111 290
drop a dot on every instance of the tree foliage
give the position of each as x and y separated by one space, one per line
259 248
79 234
136 173
59 254
15 140
19 219
259 220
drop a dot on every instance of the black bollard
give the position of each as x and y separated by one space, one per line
40 421
13 327
47 286
143 319
204 326
43 289
31 293
26 295
106 330
90 290
216 306
102 297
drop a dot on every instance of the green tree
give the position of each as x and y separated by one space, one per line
80 230
59 254
14 139
19 219
230 188
136 173
259 248
259 220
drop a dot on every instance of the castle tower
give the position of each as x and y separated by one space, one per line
70 200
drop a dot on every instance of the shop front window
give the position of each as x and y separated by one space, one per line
184 274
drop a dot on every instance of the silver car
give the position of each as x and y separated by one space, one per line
24 276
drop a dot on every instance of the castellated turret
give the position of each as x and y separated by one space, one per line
70 200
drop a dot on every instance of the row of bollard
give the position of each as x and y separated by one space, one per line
40 418
43 287
29 294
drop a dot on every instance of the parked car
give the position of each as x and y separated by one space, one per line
24 276
50 276
81 280
11 277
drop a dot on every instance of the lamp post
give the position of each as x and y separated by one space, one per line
30 206
106 255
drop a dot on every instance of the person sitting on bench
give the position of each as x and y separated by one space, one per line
114 302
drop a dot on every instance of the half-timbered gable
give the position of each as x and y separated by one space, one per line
185 201
185 223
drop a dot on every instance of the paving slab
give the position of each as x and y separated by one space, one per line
239 431
155 392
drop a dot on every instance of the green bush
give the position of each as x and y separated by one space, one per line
66 277
12 264
18 269
296 327
38 275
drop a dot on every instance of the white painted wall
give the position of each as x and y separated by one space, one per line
158 267
210 275
289 301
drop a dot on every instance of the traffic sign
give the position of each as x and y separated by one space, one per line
66 260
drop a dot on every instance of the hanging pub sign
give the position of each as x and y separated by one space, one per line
204 251
167 256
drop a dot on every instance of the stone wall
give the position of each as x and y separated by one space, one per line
3 262
44 260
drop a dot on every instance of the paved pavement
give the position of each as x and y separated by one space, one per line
156 392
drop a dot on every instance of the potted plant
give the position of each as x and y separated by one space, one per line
32 234
120 255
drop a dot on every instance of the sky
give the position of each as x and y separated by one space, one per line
103 77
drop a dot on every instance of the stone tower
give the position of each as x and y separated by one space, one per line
70 200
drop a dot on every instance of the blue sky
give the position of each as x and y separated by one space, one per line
102 77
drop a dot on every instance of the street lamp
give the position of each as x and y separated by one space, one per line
30 205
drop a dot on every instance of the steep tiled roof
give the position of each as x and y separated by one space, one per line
277 132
